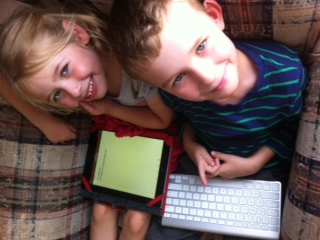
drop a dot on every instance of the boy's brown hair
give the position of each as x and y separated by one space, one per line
134 31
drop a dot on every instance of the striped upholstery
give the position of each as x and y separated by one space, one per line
39 182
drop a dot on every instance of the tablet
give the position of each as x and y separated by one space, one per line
128 172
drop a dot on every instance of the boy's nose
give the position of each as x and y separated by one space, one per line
204 71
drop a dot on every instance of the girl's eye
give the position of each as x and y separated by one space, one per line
202 46
178 78
57 96
64 71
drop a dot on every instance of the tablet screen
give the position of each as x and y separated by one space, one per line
129 164
129 168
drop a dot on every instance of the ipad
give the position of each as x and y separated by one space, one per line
128 172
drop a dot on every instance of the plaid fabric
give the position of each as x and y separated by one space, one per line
40 182
277 20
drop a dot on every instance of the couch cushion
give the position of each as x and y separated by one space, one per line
40 182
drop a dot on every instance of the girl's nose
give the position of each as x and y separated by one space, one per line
73 87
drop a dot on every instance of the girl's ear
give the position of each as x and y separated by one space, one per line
214 10
79 33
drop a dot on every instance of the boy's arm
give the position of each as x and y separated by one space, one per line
156 115
55 129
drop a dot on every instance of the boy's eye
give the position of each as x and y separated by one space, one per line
178 78
202 46
64 71
57 96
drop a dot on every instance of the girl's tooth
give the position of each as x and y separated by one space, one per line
90 87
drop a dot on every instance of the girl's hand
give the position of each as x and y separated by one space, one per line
98 106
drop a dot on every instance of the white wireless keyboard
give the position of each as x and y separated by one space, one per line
243 208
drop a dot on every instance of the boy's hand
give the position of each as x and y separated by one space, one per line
208 166
57 130
234 166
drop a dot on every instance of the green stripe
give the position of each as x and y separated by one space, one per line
288 69
271 60
275 53
292 82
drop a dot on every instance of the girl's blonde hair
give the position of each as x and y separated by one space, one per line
31 38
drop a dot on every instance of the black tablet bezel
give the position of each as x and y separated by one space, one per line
162 174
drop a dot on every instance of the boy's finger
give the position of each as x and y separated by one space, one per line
202 175
216 161
209 160
219 155
212 171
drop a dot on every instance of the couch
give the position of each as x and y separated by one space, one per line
40 181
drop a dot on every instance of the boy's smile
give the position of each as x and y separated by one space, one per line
73 75
197 61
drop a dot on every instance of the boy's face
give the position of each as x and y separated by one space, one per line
197 61
73 75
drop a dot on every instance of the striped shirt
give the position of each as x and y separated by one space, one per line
266 116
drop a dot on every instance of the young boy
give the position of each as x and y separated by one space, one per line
240 100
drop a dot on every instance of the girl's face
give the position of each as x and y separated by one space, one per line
74 75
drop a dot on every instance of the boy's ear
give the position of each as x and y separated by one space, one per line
78 32
214 10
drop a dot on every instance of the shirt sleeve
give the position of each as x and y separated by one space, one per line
146 90
283 141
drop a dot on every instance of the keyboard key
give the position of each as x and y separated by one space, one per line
273 212
173 186
270 195
173 194
267 186
272 204
275 187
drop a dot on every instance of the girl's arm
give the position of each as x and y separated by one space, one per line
55 129
155 115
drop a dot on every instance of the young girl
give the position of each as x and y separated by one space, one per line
61 61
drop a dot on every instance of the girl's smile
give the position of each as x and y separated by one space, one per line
92 90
